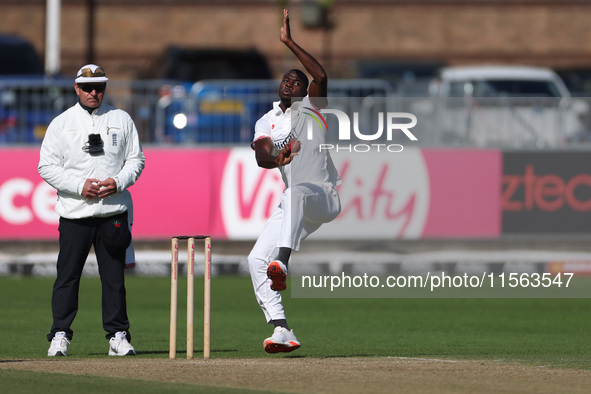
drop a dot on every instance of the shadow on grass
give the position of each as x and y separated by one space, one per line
333 356
178 352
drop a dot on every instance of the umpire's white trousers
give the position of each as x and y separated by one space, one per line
303 209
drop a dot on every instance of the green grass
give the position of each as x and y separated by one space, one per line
549 332
34 382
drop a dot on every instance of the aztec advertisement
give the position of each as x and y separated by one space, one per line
546 192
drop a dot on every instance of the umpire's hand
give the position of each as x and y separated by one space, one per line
91 188
107 187
101 189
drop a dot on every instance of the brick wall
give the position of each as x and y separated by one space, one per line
129 34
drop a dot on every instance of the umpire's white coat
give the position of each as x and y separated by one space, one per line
66 166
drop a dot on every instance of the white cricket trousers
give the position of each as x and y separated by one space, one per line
303 209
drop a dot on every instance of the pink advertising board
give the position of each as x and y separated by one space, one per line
221 192
465 189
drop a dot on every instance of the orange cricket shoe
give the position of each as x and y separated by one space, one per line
277 272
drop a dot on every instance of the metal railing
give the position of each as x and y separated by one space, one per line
213 113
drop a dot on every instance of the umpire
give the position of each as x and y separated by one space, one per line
91 154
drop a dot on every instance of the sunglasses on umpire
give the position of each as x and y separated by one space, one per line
89 87
87 72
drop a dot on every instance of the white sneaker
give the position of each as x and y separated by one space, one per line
59 345
118 345
282 340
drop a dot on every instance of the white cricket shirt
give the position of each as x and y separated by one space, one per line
312 164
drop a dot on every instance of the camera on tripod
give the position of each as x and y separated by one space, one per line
94 146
